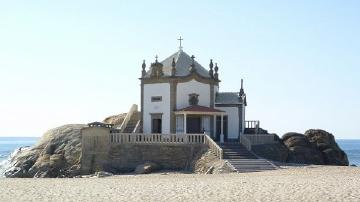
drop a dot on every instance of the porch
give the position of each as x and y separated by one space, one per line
200 119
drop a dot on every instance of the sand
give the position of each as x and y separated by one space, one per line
295 184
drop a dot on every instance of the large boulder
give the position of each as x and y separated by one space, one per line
301 150
57 154
117 120
325 142
207 163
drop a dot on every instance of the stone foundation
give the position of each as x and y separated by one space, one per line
125 157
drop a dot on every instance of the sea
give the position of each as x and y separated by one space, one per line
10 145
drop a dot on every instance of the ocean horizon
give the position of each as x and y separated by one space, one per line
9 145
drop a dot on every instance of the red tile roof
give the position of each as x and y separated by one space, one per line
197 108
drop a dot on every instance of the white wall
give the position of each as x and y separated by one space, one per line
180 124
216 89
233 121
184 89
159 89
205 124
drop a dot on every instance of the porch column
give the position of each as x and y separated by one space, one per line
185 123
222 129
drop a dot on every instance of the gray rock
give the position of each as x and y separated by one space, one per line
103 174
57 154
315 147
117 120
301 150
325 142
146 168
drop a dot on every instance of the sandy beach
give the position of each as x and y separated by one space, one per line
295 184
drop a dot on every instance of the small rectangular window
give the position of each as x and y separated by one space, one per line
156 99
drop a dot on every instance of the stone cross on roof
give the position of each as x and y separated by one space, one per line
180 39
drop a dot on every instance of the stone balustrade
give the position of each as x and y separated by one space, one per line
252 124
140 138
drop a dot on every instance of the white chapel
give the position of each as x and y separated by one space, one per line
178 95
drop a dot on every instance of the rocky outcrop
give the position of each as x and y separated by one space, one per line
117 120
325 142
301 150
314 147
208 163
57 154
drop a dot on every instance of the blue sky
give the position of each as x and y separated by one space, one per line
79 61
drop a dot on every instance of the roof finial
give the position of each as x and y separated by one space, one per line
156 58
216 75
173 70
192 64
143 68
242 92
242 95
211 72
180 39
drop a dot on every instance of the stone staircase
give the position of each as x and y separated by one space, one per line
130 126
243 160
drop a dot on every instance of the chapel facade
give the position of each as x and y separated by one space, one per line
179 95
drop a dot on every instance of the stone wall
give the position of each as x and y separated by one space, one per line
125 157
95 144
98 154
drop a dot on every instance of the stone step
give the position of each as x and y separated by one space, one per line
243 160
253 168
236 150
238 157
251 165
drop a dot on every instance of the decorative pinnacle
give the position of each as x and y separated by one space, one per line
193 61
143 64
211 72
173 62
242 92
173 70
216 75
143 72
180 39
156 58
192 69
